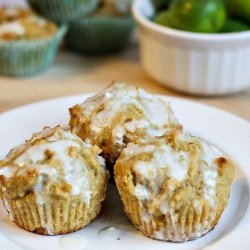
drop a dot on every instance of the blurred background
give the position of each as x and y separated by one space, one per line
212 69
14 2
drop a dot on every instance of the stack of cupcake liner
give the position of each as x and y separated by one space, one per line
87 34
99 34
64 10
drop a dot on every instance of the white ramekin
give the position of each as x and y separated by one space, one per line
195 63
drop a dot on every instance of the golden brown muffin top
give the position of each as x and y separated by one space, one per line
173 173
17 23
119 8
120 114
53 163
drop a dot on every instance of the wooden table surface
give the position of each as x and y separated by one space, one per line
75 74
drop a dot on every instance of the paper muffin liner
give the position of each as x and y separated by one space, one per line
100 34
53 218
188 224
28 57
63 10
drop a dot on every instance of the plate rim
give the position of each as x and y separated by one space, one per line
167 98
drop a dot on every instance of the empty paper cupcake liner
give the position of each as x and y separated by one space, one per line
28 57
63 10
100 34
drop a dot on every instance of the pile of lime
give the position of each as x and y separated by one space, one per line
206 16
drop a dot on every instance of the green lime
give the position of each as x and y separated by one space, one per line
206 16
163 19
239 8
162 4
232 25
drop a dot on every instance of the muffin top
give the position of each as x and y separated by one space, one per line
54 163
173 173
18 23
119 8
120 114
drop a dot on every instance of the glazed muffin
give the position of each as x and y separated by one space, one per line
118 115
174 188
8 14
107 30
17 23
54 183
28 43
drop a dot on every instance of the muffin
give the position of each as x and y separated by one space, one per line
63 11
118 115
106 30
28 43
174 188
8 14
54 183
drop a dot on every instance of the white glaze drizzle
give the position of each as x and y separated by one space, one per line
109 233
164 158
157 115
14 27
73 242
10 11
75 172
209 154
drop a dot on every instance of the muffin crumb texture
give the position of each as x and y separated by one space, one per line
174 188
119 115
54 183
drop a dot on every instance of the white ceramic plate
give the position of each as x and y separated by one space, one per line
228 132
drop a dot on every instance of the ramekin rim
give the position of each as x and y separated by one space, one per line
185 35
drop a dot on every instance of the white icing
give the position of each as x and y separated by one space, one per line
164 208
109 233
75 172
47 226
36 153
133 149
142 192
101 161
197 205
73 242
72 169
159 235
180 236
136 124
14 27
145 216
209 154
157 115
175 163
108 95
38 20
8 171
10 12
118 134
198 226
